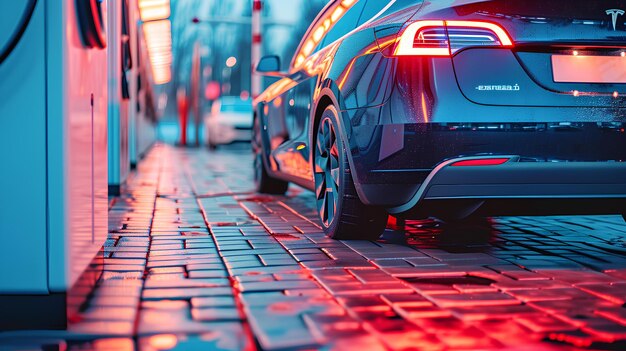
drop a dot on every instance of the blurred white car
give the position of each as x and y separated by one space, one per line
230 120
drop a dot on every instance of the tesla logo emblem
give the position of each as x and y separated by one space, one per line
614 13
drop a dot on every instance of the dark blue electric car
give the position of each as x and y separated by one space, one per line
452 109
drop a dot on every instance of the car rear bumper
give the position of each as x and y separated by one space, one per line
533 182
392 163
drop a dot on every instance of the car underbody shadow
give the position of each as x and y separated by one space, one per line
472 235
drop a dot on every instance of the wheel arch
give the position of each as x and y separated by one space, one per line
329 94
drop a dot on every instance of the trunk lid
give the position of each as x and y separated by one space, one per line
542 21
540 70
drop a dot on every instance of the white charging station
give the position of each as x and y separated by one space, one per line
132 119
53 157
120 64
143 116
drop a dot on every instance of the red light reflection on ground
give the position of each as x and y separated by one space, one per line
243 271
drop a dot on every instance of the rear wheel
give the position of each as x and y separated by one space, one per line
341 212
263 181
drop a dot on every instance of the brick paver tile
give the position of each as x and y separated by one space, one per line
197 260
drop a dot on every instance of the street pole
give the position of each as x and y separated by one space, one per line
256 47
183 111
195 91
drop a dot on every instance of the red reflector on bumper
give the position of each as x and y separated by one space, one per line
481 162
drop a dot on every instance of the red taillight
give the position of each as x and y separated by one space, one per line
481 162
444 38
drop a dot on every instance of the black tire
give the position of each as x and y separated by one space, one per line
343 215
262 180
209 142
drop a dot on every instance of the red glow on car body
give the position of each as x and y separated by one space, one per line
481 162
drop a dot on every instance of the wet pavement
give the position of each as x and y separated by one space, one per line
196 260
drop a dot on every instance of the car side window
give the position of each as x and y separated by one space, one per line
312 41
346 24
372 8
337 20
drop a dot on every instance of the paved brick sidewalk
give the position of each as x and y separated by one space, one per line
196 261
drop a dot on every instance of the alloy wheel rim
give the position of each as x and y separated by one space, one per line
327 170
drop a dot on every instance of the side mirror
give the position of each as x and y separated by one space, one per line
269 66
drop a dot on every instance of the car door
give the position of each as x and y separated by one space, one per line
292 155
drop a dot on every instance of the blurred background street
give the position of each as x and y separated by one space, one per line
220 34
